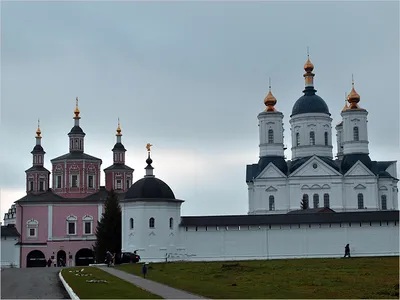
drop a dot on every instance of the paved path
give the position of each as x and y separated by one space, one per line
153 287
32 283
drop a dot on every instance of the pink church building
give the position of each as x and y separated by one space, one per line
57 217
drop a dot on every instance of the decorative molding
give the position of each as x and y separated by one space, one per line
271 189
87 218
360 187
72 218
32 222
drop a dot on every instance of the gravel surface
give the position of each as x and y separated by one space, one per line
32 283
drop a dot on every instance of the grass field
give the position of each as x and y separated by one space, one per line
115 288
374 277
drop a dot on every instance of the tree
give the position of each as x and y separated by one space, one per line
304 204
108 231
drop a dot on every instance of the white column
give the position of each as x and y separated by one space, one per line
49 222
99 211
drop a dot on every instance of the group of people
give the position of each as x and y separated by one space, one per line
110 258
61 262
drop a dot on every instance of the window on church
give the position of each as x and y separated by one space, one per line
31 185
119 184
80 144
356 136
316 200
384 202
312 138
305 201
131 225
152 223
71 227
58 183
271 203
41 186
326 138
74 181
91 182
326 200
128 183
360 198
32 232
76 144
88 227
171 223
270 136
297 139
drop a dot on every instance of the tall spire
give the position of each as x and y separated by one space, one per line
149 168
119 132
38 133
309 75
76 111
270 100
353 98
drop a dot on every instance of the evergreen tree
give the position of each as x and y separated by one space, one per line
304 204
108 231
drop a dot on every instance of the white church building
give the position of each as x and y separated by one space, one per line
309 206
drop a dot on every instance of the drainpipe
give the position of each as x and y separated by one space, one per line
20 247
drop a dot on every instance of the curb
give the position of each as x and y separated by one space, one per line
70 292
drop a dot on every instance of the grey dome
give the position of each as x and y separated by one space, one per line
310 103
150 188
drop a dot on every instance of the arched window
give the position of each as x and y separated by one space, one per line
271 203
152 223
312 138
326 200
171 223
297 139
326 138
356 136
305 201
270 136
360 198
384 202
316 200
131 223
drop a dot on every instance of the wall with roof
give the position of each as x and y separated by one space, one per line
32 212
287 241
10 252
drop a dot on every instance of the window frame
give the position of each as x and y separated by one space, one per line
72 181
271 203
270 136
171 223
297 139
87 219
312 138
326 138
360 200
356 134
58 177
316 200
32 224
327 200
131 224
71 220
384 200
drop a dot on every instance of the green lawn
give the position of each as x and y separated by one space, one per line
115 288
374 277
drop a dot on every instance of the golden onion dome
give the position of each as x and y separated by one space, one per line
308 66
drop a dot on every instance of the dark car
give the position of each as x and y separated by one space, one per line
126 258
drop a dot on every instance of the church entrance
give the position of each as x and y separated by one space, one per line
84 257
35 258
61 258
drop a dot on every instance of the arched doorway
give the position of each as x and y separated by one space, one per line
84 257
61 258
35 258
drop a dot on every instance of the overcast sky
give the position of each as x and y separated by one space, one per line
190 78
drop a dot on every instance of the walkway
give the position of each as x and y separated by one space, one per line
32 283
153 287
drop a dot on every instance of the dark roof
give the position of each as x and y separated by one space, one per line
38 169
342 166
38 149
350 160
9 230
285 219
119 167
150 187
51 197
310 103
118 147
76 130
76 156
254 170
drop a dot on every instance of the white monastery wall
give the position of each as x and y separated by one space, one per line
286 241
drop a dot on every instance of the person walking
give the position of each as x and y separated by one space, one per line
144 270
347 251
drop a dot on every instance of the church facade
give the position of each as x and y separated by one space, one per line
57 217
349 182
